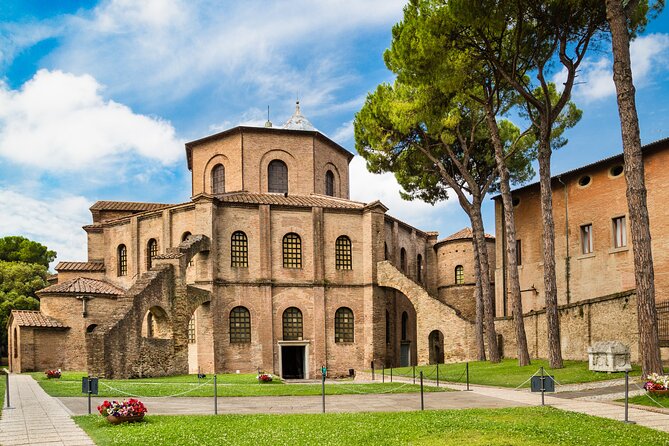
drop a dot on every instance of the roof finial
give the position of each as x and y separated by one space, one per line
297 103
268 123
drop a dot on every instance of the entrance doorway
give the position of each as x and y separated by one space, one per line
436 343
405 354
292 361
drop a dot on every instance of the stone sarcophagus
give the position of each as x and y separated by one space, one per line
609 356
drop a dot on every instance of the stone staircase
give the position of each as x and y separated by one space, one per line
431 314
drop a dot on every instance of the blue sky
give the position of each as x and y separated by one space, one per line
98 97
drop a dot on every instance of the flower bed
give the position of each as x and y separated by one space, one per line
130 410
656 383
50 374
264 378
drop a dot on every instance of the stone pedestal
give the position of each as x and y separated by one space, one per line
609 356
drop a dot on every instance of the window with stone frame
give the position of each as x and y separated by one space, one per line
586 239
218 179
151 252
121 260
239 250
292 251
277 177
619 232
292 324
240 326
329 183
344 325
343 255
191 330
459 275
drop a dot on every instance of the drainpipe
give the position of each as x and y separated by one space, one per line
567 260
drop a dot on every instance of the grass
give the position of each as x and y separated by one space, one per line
508 374
2 391
645 400
496 427
228 385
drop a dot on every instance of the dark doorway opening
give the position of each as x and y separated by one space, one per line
292 362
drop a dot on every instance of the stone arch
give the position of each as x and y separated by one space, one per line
206 174
200 337
90 328
330 167
291 163
436 346
156 324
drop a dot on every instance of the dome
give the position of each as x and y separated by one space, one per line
298 122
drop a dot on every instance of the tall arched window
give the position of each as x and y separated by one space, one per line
385 251
344 325
292 251
419 268
405 322
292 324
239 250
459 275
403 260
218 179
329 183
343 256
240 326
151 252
277 177
121 260
191 330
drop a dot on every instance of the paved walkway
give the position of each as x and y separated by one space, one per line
36 418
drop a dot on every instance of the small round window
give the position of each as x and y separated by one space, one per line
515 201
584 180
616 171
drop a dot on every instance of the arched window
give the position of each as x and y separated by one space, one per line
385 251
419 268
292 324
405 322
292 251
239 250
218 179
191 330
344 325
329 183
122 260
277 177
150 325
343 255
16 343
240 326
90 328
151 252
403 260
185 236
387 327
459 275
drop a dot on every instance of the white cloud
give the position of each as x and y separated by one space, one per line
60 121
649 54
55 221
344 134
367 187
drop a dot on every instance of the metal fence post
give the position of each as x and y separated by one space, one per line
542 385
414 374
422 403
383 374
323 390
372 370
391 374
627 383
467 370
7 384
215 396
437 374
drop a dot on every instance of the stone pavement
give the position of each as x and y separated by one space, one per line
36 418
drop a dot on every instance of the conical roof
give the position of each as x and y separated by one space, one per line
298 121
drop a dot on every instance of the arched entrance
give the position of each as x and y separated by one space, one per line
156 324
200 340
436 343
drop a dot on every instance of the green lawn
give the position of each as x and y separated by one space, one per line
2 391
508 374
645 400
499 427
228 385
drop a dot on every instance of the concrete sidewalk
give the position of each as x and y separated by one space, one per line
388 402
35 418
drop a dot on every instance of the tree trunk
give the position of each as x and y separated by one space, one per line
644 274
510 229
478 234
548 238
478 296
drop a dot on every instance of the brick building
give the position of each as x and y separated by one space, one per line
269 266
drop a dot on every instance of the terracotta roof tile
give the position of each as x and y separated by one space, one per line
28 318
291 200
464 233
83 285
126 206
80 266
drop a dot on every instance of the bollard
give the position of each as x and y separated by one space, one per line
323 390
7 385
467 370
372 370
627 383
215 396
437 374
422 403
391 374
414 374
542 385
383 374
